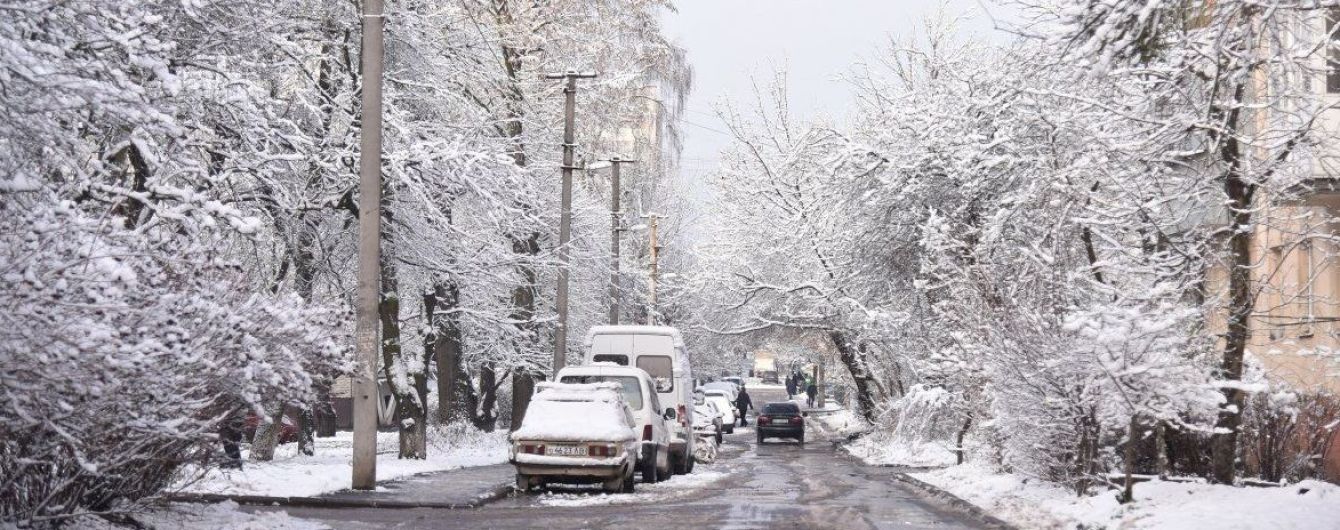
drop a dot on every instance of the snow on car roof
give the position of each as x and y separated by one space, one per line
600 392
602 368
635 330
575 421
566 412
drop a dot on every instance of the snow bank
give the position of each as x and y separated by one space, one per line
1031 503
292 474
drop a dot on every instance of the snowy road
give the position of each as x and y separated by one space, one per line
777 485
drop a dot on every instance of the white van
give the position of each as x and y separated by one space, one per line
659 351
650 425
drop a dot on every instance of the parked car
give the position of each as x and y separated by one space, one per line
781 419
649 423
707 417
658 350
576 434
730 389
725 406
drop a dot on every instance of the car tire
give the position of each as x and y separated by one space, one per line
678 464
648 467
731 429
630 485
523 482
614 485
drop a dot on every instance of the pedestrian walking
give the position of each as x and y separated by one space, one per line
790 385
811 391
743 403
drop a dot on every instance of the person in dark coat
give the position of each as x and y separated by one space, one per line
743 403
811 391
790 385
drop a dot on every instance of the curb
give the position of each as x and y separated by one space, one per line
498 492
954 501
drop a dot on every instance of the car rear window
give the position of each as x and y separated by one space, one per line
632 389
781 408
661 370
621 360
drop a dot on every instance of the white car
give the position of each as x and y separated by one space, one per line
726 407
658 350
649 424
576 434
707 418
729 388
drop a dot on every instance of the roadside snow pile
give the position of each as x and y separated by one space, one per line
914 431
194 516
576 413
676 487
293 475
1035 504
839 424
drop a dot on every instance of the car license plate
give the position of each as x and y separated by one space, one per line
566 450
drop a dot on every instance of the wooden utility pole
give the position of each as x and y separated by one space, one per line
369 250
616 212
655 269
565 213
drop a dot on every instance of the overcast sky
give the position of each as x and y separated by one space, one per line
728 41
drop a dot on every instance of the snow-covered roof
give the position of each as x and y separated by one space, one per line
635 330
600 392
561 412
604 368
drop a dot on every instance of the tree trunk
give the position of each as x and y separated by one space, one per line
265 440
1240 193
523 385
409 403
1128 460
484 415
867 389
455 401
959 452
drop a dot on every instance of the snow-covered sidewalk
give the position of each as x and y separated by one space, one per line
1033 504
294 475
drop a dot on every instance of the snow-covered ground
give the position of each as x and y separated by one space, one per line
224 515
1034 504
294 475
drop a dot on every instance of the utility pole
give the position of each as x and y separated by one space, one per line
369 250
655 268
565 213
616 211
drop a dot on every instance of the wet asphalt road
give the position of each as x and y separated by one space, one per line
776 485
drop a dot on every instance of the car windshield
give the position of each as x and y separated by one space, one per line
632 389
781 408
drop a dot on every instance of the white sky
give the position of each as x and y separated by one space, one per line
728 41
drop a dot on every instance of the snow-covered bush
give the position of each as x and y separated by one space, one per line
918 429
119 362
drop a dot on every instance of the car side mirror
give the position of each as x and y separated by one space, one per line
669 414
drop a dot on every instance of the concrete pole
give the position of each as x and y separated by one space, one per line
616 210
369 251
565 213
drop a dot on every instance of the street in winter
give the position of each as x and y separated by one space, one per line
598 264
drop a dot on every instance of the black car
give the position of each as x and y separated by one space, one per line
781 420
